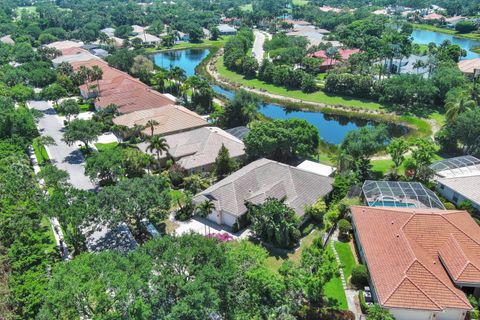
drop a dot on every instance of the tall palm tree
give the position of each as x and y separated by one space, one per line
96 74
158 144
151 124
103 38
204 209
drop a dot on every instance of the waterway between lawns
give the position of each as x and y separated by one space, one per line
332 128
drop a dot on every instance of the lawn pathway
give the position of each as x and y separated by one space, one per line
349 293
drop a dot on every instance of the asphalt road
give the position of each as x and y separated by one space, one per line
65 157
257 50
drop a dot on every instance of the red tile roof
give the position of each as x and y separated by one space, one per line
408 252
121 89
345 54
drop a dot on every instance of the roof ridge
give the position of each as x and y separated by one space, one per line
442 282
457 228
406 278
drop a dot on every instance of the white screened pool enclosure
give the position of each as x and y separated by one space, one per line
464 166
400 194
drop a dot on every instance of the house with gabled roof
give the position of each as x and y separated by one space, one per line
422 262
258 181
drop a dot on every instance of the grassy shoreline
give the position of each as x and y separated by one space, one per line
471 36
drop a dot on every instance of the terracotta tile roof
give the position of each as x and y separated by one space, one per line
117 87
402 248
345 54
171 119
468 66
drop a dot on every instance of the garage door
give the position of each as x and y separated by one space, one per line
404 314
228 220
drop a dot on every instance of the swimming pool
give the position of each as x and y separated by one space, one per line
390 203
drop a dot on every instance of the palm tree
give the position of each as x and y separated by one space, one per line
158 144
204 209
159 80
418 64
96 74
151 124
460 105
103 38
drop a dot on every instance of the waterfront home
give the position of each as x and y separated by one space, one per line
422 263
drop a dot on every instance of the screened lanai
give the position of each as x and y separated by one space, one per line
457 167
400 194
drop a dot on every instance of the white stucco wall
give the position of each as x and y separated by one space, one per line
408 314
222 218
449 194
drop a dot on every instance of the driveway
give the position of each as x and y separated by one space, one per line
257 50
65 157
204 226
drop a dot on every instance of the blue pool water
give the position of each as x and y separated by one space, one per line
391 204
427 36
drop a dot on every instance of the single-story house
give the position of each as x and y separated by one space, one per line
110 32
433 17
138 29
182 36
79 55
421 262
171 119
99 52
119 88
461 189
452 21
148 38
258 181
7 40
196 150
329 62
409 65
318 168
226 29
469 66
458 179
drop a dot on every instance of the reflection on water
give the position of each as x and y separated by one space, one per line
427 36
332 128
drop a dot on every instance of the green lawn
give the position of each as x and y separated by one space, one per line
247 7
40 152
299 2
106 146
275 260
334 288
46 227
188 45
319 96
86 107
346 257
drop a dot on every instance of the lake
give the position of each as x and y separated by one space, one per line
332 128
427 36
188 60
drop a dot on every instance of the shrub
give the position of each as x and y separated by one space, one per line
345 204
331 217
449 206
359 276
344 227
317 210
363 304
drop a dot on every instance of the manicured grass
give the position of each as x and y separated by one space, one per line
274 261
319 96
247 7
188 45
346 257
40 152
86 107
106 146
299 2
45 226
474 36
334 289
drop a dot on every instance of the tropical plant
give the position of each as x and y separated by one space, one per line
203 209
158 144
